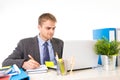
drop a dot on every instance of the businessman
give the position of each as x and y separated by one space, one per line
29 53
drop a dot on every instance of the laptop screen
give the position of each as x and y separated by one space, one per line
80 54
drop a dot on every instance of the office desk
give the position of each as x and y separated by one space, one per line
88 74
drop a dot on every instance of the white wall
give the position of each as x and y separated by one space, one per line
76 19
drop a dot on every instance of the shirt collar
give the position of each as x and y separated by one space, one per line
41 41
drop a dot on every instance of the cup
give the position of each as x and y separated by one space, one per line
62 66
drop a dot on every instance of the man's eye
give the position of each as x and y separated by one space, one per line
54 28
48 28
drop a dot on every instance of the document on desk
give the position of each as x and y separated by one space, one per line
41 69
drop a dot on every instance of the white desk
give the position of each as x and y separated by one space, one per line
89 74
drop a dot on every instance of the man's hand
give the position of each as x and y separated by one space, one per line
30 64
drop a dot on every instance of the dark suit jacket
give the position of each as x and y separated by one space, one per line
30 46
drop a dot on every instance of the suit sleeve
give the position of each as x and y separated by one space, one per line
17 57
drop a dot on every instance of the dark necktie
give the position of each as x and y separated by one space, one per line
45 53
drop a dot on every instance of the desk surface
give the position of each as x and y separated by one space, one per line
88 74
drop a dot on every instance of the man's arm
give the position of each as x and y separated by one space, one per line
17 57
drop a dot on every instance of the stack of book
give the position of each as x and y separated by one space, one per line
8 71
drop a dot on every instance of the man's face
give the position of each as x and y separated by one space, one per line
47 30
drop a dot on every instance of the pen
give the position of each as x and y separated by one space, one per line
72 64
30 57
57 57
58 67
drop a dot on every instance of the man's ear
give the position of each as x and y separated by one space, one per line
39 26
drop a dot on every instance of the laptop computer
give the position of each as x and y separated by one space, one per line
80 54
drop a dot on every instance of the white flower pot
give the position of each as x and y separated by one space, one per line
109 63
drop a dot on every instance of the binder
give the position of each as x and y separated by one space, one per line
110 34
118 39
22 76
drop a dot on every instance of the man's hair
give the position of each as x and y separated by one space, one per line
46 16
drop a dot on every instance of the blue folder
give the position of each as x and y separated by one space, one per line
22 76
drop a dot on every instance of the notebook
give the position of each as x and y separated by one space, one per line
79 54
41 69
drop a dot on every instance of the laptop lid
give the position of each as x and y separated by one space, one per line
80 54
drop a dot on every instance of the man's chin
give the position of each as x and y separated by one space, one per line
50 37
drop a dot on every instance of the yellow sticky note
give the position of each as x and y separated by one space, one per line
49 63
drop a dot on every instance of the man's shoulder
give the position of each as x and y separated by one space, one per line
29 39
57 40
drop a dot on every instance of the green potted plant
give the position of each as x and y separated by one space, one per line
108 49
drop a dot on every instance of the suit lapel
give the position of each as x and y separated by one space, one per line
55 47
36 49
